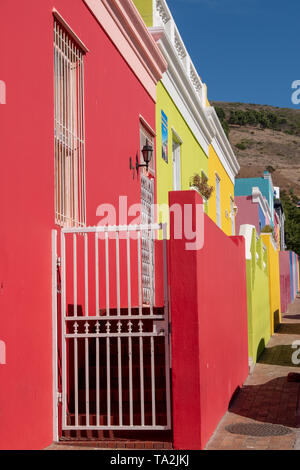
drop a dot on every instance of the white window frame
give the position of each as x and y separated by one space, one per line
69 129
146 133
176 161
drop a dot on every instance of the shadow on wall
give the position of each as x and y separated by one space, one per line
276 320
260 348
249 401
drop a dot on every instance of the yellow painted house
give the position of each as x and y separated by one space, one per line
189 137
274 280
222 170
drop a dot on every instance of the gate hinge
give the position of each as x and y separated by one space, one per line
59 397
58 262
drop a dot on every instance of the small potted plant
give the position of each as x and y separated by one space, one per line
200 184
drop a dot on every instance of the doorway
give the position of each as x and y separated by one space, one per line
176 150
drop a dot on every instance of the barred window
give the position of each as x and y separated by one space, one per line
69 140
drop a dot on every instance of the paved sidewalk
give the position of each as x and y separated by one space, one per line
267 398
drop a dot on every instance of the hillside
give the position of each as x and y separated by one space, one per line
264 137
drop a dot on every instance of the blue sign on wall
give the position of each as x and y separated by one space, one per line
164 136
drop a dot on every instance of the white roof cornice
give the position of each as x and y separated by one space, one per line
182 90
258 197
183 75
163 19
222 145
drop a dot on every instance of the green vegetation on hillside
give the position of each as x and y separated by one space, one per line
292 221
222 116
265 117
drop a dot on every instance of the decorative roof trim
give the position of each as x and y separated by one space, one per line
258 198
222 146
182 90
162 18
192 88
126 29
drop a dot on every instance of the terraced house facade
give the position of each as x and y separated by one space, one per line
190 139
112 305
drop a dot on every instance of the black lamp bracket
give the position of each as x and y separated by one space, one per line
137 165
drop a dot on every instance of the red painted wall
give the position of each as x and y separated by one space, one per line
285 279
248 213
209 328
114 99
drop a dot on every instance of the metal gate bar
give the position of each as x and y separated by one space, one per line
105 332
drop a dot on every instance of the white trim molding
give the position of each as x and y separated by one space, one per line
163 19
246 231
222 146
177 137
187 90
261 200
127 30
147 126
68 28
182 90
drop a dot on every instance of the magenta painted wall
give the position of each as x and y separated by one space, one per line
285 279
114 99
248 213
209 330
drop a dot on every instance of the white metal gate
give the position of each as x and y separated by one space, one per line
115 366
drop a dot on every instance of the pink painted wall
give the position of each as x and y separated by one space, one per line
285 279
209 328
247 213
114 99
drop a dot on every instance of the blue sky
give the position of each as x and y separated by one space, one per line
244 50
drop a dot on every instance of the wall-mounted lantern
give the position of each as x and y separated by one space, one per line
147 152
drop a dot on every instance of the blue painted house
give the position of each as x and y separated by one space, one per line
244 187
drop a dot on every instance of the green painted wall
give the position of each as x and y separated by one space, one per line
258 298
145 8
193 158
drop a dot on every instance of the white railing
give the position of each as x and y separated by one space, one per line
114 350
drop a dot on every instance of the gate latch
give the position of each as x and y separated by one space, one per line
159 327
59 397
